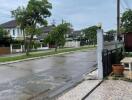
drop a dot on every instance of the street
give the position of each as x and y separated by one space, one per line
24 80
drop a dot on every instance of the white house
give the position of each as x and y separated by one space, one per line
14 31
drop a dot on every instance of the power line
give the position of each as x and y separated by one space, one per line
126 3
122 6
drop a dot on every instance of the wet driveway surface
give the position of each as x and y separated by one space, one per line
24 80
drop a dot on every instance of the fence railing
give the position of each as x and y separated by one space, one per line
110 57
107 54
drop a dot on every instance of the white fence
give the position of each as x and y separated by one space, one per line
20 49
74 44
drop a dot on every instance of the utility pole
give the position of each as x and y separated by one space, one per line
118 17
62 21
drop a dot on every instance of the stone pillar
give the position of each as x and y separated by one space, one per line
11 49
21 48
41 45
100 46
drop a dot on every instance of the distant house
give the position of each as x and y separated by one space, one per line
46 30
14 31
78 33
75 35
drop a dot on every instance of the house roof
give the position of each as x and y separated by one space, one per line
78 32
47 29
13 24
9 24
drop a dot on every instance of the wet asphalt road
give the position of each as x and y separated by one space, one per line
23 80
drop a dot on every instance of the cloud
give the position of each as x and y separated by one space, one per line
81 13
6 6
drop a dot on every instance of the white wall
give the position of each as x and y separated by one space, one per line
17 31
75 44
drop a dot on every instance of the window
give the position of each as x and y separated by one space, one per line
13 32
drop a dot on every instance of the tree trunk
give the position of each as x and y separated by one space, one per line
28 46
30 42
24 40
56 48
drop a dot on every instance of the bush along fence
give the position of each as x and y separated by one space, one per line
107 54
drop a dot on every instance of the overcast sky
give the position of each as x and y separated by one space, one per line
81 13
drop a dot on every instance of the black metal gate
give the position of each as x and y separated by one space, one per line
110 57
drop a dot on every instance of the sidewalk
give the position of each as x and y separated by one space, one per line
112 90
82 89
107 90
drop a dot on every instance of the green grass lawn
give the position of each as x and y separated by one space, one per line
41 54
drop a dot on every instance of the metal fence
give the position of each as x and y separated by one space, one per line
110 57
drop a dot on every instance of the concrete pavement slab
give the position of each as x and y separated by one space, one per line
112 90
79 91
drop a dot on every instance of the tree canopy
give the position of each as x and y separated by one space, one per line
20 14
30 18
57 35
4 38
3 33
91 33
126 21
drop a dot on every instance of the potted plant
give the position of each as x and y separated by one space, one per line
118 69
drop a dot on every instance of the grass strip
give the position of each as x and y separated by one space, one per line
32 55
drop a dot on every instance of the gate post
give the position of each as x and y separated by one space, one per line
11 48
100 46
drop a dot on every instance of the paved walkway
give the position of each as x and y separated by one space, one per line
79 91
107 90
82 89
112 90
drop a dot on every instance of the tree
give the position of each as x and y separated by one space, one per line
4 37
57 35
3 33
33 16
126 21
20 14
91 34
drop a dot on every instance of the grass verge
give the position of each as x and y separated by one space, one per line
33 55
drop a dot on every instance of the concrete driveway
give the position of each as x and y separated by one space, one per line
28 79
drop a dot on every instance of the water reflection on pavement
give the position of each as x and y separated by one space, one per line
20 81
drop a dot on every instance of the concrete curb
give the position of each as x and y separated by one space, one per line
34 58
92 90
